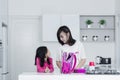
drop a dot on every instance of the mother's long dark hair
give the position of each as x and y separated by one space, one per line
66 30
40 54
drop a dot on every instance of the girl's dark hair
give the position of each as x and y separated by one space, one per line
66 30
40 54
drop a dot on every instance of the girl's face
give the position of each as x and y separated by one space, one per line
48 54
64 37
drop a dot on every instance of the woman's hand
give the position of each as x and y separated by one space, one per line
47 70
81 63
58 64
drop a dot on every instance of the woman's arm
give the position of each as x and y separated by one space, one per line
81 63
58 64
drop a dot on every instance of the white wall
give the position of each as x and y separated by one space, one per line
36 7
25 27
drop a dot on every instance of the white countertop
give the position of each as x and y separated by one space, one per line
56 75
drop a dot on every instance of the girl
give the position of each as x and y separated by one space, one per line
69 45
43 61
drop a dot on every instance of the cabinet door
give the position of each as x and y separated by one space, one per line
118 6
0 19
3 15
72 21
4 11
0 29
118 42
51 23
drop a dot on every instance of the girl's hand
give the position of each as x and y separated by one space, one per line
47 70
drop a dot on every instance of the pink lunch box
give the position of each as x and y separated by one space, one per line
79 71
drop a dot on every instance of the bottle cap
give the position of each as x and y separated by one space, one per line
91 64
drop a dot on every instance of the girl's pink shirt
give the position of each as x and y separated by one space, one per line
42 69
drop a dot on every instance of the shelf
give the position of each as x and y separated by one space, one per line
97 41
96 32
97 29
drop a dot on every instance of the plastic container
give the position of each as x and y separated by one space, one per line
79 71
91 66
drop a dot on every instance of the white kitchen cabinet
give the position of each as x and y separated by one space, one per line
4 11
118 41
117 7
51 23
0 20
3 15
0 73
0 30
72 21
117 47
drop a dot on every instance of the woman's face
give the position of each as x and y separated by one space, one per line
64 37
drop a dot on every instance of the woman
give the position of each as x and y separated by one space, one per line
70 45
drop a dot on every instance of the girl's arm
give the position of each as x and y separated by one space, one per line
39 68
81 63
51 65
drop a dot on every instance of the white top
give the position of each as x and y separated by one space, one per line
77 48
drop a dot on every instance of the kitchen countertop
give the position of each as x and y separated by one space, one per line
56 75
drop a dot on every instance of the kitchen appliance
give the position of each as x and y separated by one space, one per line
4 54
101 60
68 62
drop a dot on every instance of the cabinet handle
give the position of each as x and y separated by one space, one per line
118 24
5 73
4 25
